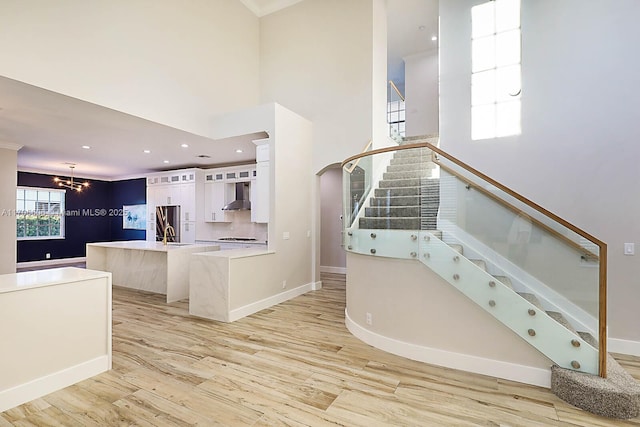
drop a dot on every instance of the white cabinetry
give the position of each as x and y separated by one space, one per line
188 232
216 196
188 202
175 188
260 194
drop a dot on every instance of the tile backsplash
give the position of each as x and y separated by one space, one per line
240 226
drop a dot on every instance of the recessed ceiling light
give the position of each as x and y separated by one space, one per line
146 151
86 147
184 145
165 161
238 151
434 38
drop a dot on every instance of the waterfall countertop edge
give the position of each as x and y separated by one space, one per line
13 282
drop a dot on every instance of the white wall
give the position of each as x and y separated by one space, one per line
421 93
332 254
175 63
379 126
8 183
292 186
415 313
577 155
292 194
316 59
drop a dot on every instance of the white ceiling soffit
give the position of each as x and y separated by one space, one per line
53 129
261 8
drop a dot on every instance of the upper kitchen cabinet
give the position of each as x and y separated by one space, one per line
220 191
216 196
260 194
182 188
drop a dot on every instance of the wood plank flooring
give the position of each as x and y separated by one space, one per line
292 365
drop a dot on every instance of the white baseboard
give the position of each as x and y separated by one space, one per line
254 307
48 262
463 362
330 269
39 387
615 345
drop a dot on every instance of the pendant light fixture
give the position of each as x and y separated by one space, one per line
69 182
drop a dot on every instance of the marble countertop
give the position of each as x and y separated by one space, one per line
236 253
248 242
143 245
54 276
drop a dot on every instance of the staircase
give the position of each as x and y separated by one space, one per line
407 198
617 396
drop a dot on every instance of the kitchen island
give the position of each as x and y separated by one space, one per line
231 284
147 266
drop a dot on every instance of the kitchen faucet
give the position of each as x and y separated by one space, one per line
168 231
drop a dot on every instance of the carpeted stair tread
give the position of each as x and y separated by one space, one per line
617 396
590 339
394 201
436 233
396 183
505 281
532 299
414 152
404 167
421 173
396 191
392 212
479 263
559 317
456 247
406 199
390 223
397 161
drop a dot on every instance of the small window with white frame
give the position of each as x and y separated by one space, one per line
39 213
496 82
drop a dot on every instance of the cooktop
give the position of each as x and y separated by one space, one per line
239 239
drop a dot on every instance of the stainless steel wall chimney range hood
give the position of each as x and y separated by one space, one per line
241 203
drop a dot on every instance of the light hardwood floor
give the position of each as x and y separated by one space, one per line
294 364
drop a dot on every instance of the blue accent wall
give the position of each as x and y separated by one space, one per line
129 192
99 217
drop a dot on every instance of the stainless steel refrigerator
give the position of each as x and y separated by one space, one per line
168 219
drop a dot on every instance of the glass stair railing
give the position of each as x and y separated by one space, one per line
540 276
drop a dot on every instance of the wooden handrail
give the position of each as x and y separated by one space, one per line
393 85
602 247
364 150
587 253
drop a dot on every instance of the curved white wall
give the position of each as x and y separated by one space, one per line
418 315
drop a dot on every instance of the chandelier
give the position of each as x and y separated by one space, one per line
69 183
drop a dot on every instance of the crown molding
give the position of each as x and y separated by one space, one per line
262 8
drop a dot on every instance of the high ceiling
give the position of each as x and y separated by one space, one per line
411 25
265 7
53 128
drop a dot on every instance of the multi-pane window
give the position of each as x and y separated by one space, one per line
495 69
40 213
